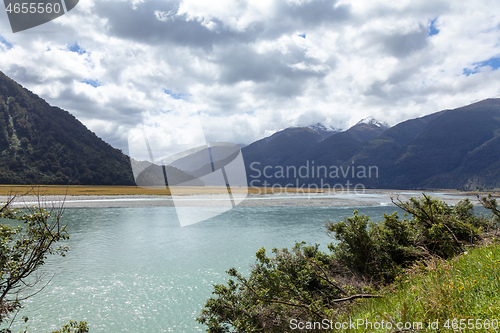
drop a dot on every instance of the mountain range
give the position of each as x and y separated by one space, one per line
453 149
450 149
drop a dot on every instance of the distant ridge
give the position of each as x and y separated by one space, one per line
282 146
372 121
42 144
323 130
450 149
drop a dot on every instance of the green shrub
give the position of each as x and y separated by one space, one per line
378 251
295 283
308 285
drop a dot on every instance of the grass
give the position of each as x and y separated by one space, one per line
7 190
449 294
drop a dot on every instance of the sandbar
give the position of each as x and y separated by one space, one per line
325 199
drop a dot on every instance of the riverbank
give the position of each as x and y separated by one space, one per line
197 199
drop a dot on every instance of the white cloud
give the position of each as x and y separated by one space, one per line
237 15
247 68
163 16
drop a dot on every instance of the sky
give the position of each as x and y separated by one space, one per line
237 70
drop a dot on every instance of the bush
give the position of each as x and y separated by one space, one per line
292 284
74 327
379 251
308 285
441 230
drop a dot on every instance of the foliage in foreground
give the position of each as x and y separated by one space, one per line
74 327
457 292
308 285
380 250
23 250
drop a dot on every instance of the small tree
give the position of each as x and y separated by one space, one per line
23 249
300 283
490 203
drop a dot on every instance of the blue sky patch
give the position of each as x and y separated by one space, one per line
93 83
4 44
433 30
76 48
175 95
493 62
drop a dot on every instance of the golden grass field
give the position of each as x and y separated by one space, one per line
7 190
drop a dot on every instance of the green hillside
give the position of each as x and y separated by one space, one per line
41 144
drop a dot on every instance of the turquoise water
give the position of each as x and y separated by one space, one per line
137 270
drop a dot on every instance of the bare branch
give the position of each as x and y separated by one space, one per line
325 278
350 298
